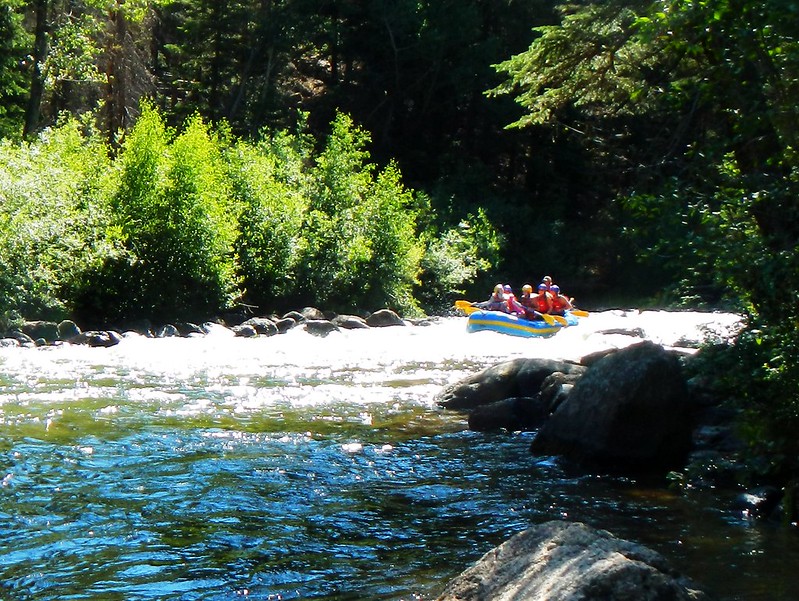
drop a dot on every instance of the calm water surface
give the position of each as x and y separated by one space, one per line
296 467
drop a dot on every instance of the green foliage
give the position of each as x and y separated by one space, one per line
13 43
175 215
270 182
390 226
181 225
53 215
694 102
591 60
759 375
455 257
340 231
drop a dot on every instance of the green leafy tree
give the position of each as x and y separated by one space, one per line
177 219
54 210
233 60
88 55
392 270
360 248
338 247
700 95
457 257
270 181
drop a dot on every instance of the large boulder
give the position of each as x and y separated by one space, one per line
384 318
628 413
262 326
568 561
48 330
511 379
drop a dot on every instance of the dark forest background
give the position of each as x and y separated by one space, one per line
414 75
162 158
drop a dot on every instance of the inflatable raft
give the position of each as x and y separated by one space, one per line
511 324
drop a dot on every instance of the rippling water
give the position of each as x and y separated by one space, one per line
296 467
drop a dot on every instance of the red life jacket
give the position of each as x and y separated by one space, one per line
559 304
540 303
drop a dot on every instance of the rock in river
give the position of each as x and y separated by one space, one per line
570 561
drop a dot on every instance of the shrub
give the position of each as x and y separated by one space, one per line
269 182
176 218
53 219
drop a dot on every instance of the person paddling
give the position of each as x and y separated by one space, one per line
530 303
560 303
513 305
495 302
542 302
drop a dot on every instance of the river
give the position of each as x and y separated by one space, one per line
296 467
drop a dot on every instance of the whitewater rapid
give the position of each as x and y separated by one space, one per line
410 364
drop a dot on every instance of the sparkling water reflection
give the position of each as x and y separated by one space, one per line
302 468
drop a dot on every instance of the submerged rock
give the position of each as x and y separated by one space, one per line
320 327
384 318
570 561
510 379
516 414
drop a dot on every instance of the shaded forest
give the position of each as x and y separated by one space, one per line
270 151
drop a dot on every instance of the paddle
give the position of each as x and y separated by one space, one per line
466 306
469 308
578 312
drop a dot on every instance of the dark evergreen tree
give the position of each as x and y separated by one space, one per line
14 42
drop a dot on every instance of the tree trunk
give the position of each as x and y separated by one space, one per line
41 48
116 97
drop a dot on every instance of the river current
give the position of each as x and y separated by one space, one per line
297 467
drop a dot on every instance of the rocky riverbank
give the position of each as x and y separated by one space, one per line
315 321
630 412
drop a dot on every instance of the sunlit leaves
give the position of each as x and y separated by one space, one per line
270 183
360 227
53 201
179 220
185 223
